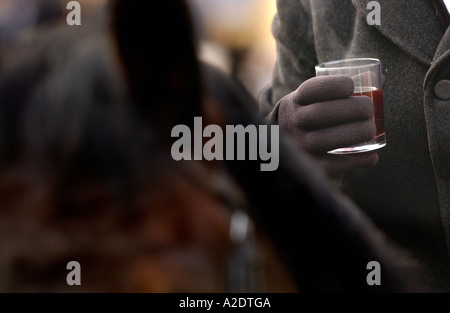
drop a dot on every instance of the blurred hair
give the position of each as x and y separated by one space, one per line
17 15
158 50
84 178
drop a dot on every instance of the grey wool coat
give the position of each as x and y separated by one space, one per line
408 193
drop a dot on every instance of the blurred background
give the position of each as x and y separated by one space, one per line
236 36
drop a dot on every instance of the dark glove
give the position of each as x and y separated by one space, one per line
321 115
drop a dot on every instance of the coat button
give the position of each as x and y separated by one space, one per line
442 90
445 170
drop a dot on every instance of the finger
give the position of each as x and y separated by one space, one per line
337 165
331 113
324 88
340 136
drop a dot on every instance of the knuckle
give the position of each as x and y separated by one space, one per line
286 108
312 81
298 94
287 101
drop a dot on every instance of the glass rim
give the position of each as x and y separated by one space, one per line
370 62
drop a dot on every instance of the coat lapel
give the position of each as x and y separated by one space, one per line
442 55
410 24
444 45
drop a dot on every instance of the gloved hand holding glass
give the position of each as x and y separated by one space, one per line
332 116
367 78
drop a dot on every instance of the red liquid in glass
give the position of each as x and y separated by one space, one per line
377 97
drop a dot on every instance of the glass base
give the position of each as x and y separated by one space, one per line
375 144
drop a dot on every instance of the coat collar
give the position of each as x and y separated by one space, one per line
442 54
410 24
444 45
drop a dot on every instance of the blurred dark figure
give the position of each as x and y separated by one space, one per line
86 173
16 15
83 179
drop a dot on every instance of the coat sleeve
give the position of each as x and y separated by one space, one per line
296 57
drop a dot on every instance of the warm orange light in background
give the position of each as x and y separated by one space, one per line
231 26
235 35
237 23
